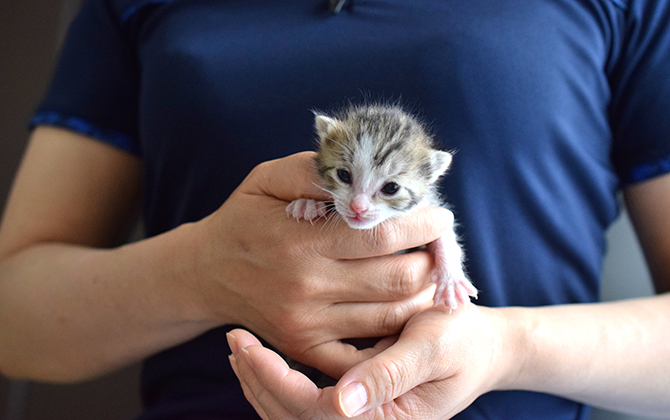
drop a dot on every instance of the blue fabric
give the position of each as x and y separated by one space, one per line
551 105
135 7
82 126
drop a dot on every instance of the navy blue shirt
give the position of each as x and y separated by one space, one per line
551 105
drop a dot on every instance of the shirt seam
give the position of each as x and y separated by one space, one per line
85 127
646 171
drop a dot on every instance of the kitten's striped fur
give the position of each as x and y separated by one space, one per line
378 145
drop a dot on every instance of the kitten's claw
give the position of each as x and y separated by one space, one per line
307 209
453 290
453 286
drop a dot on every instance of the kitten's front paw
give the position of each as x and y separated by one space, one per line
307 209
453 288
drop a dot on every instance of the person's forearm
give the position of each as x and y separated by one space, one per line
68 313
612 355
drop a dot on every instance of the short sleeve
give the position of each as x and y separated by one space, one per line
95 87
640 110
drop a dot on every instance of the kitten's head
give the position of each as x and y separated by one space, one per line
378 162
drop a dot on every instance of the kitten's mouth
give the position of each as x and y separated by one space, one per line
365 220
359 222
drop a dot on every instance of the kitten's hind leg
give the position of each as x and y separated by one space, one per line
453 285
307 209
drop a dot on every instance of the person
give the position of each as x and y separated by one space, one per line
200 110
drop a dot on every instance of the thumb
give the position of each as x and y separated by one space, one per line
383 378
287 179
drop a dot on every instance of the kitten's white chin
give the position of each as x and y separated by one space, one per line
361 223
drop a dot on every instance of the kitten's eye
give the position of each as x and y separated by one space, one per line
390 188
344 176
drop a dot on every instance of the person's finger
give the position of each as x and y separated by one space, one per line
245 388
239 339
334 358
264 397
286 179
271 374
413 229
350 321
283 392
385 377
376 319
379 279
382 279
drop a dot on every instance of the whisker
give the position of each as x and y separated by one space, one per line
326 222
331 221
332 194
320 187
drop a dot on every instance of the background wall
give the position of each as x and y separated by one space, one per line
30 31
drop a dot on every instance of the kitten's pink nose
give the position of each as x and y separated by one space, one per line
359 205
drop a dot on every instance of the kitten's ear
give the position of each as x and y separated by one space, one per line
326 126
440 161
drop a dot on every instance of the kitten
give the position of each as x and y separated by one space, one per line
379 162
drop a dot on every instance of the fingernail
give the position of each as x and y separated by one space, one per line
247 356
353 398
233 364
232 343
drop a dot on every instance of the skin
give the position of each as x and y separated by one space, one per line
74 304
613 355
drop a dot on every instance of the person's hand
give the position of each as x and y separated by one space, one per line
439 365
304 287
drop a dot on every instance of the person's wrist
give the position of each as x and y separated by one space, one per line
180 275
512 352
202 289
